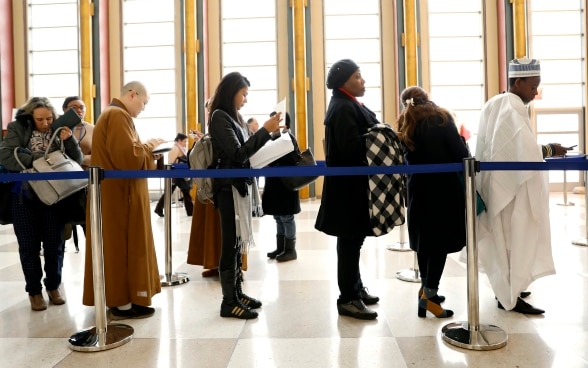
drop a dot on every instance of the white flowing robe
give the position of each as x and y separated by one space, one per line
514 237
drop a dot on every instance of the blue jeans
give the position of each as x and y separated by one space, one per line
286 226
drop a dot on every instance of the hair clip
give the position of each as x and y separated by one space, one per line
409 101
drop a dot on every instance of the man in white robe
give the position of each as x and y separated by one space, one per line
514 237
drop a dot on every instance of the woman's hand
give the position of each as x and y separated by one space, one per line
65 133
273 124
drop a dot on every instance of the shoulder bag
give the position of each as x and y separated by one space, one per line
52 191
305 158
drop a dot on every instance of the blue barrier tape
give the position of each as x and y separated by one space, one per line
181 171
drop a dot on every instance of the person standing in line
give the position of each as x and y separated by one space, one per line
131 275
344 209
436 201
178 154
204 247
35 222
84 130
232 147
514 235
253 125
283 204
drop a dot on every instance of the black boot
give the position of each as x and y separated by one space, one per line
230 307
289 253
159 207
188 204
279 248
246 300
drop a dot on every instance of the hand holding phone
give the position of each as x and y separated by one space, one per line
571 147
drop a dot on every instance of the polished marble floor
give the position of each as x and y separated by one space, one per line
298 325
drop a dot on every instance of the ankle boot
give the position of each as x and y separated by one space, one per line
188 205
289 253
159 207
279 247
246 300
230 307
38 303
426 304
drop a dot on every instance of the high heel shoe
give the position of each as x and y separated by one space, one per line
426 304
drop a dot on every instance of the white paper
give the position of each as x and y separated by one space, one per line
281 108
271 151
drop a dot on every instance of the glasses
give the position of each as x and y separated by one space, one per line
77 107
145 102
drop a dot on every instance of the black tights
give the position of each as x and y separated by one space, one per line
431 268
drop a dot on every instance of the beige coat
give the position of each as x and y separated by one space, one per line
130 265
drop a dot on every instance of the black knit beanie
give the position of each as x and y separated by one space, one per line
340 73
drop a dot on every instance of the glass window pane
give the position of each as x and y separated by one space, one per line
53 15
53 62
334 7
252 30
337 27
561 47
558 122
456 72
560 96
55 85
244 9
159 81
145 58
461 24
360 51
149 34
260 103
61 38
260 77
147 11
258 53
537 5
462 48
568 22
454 6
457 97
561 71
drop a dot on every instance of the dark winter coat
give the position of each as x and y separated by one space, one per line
277 199
436 201
344 209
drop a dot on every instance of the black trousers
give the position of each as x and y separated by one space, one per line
229 251
348 275
431 267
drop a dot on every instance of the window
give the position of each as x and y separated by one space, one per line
456 53
53 40
352 31
249 46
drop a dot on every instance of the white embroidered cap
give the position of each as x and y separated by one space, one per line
523 67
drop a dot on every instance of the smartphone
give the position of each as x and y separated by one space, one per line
571 147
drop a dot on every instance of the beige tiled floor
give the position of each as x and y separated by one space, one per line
298 325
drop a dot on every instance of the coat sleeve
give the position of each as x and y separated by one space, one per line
345 144
11 141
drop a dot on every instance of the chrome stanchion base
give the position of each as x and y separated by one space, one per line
485 337
566 204
177 278
581 241
88 340
409 274
399 247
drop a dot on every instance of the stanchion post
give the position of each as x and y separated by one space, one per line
100 337
410 274
471 334
584 241
402 245
169 279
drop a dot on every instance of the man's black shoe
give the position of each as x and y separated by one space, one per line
524 307
367 298
356 309
136 312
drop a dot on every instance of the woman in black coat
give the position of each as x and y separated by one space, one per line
344 210
283 204
436 201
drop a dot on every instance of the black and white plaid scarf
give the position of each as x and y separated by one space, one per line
385 191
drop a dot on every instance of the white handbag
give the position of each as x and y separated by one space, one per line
52 191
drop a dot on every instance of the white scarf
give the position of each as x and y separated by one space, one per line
243 230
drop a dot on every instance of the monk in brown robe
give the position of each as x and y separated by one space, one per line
131 275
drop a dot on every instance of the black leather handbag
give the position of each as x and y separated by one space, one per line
305 158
